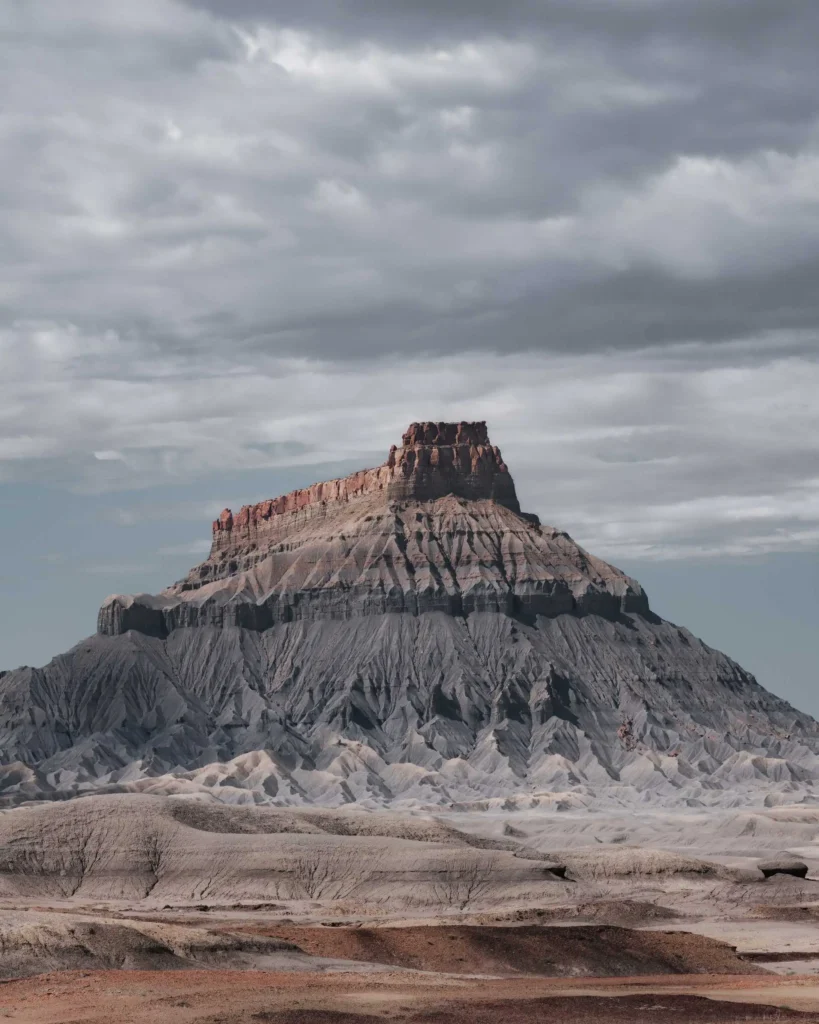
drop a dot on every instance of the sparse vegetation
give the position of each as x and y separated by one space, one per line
464 881
158 845
331 873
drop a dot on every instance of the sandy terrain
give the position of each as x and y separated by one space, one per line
138 908
222 996
526 949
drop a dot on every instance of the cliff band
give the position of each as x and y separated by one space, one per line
403 635
438 527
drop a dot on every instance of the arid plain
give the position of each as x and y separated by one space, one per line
138 908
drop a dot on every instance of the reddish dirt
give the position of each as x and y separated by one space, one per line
594 951
579 1010
231 997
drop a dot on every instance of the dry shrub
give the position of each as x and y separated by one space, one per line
465 880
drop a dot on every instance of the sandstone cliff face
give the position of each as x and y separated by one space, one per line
436 528
436 459
402 635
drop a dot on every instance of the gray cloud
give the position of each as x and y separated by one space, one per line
661 453
231 234
363 179
736 23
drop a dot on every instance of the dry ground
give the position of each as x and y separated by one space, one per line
225 997
526 949
148 909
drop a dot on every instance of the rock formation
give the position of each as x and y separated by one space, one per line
438 527
405 633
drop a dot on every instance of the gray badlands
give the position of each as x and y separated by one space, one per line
404 636
136 908
396 750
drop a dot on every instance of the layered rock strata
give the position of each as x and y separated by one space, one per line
405 634
435 459
438 527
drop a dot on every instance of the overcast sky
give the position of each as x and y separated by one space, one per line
243 243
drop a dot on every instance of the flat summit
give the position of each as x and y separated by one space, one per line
437 528
405 634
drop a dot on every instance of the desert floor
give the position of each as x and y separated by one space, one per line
135 908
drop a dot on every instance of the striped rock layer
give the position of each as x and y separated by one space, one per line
404 635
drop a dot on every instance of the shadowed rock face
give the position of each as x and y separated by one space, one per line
404 633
